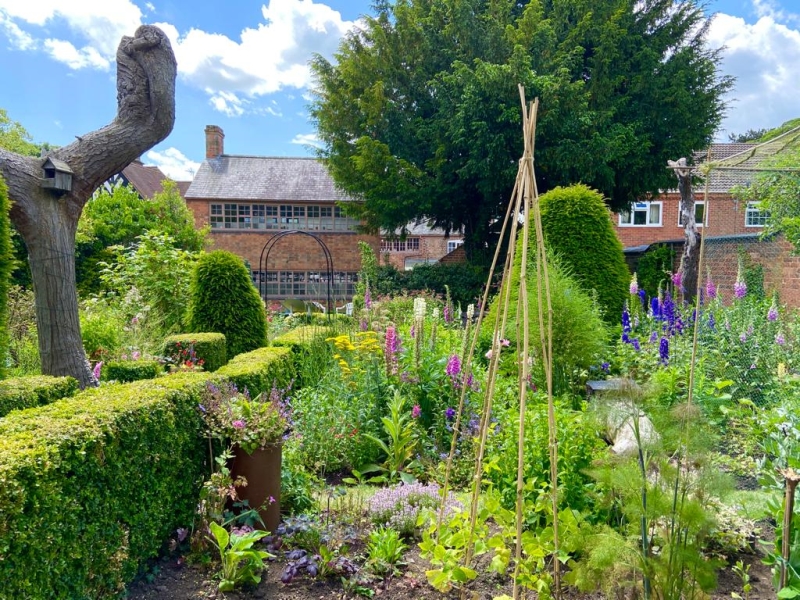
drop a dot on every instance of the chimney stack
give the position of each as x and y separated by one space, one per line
214 141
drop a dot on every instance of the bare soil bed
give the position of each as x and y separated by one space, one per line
173 579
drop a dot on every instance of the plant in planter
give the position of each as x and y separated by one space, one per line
254 428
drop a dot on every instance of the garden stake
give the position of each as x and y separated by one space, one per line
792 478
467 361
543 277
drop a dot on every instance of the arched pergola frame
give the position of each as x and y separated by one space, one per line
264 260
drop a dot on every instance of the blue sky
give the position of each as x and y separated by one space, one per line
242 65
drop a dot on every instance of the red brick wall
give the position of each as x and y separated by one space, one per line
431 247
725 217
291 253
781 268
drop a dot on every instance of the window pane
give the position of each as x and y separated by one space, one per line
639 217
655 214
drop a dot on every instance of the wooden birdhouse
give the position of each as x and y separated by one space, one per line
57 175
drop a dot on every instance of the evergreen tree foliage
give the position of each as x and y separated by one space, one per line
419 113
6 265
577 227
224 300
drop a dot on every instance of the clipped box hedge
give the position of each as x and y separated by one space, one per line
208 347
125 371
90 487
302 338
27 392
260 369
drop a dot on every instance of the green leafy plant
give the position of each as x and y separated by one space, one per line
742 571
447 553
241 563
385 550
399 428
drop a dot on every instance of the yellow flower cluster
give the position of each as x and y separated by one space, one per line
366 343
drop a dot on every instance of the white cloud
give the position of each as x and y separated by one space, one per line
19 39
268 58
307 139
65 52
173 163
98 23
763 56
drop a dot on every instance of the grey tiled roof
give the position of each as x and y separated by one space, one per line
723 181
264 178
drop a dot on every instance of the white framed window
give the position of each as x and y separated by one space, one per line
754 217
699 213
642 214
453 244
406 245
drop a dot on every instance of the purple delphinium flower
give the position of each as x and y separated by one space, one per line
626 339
453 367
663 351
743 337
643 299
653 337
668 311
626 320
655 308
740 289
711 322
635 344
606 367
779 339
450 413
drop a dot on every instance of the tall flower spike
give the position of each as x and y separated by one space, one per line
663 351
772 313
740 287
634 286
711 289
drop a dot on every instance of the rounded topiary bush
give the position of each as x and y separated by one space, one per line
223 300
577 227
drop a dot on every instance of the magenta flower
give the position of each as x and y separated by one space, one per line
238 424
390 350
136 355
367 298
453 367
711 289
634 286
447 314
779 339
677 279
740 289
416 412
96 370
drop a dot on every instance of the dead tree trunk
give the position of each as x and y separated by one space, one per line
690 259
47 220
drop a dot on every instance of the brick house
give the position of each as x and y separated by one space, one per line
422 244
249 200
732 226
146 180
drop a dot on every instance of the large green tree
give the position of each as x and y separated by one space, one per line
420 114
119 217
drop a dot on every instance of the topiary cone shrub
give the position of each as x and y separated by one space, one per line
222 299
578 229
